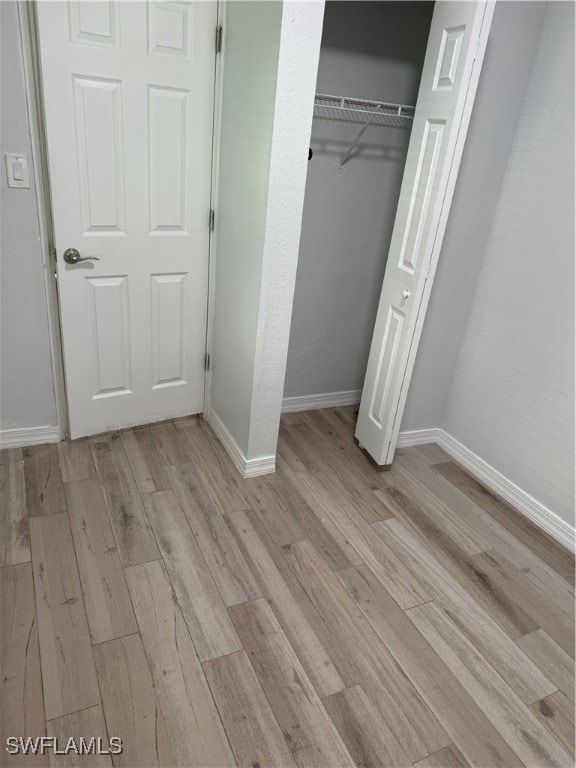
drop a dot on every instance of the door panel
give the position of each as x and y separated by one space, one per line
458 35
129 92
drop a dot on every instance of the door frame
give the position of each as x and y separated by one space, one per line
36 123
213 242
34 102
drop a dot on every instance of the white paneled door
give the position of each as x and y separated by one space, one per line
456 45
128 95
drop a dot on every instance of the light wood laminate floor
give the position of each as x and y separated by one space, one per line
326 615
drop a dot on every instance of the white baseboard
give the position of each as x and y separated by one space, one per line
326 400
247 467
534 510
19 438
526 504
417 437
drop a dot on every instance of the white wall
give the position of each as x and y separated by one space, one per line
371 50
26 383
251 46
271 59
511 399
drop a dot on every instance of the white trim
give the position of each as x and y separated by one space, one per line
216 130
522 501
18 438
27 19
247 467
326 400
418 437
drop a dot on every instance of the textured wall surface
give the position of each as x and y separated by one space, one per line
374 51
511 399
511 47
271 61
26 384
249 93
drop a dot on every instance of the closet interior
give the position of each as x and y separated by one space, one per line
368 78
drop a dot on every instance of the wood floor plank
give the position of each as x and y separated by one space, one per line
365 506
558 625
364 731
526 532
478 519
342 462
68 671
401 584
408 462
219 473
455 709
431 453
75 459
194 727
410 473
15 537
339 451
497 647
555 663
168 442
266 564
134 537
526 735
409 718
108 607
147 466
253 731
508 614
291 695
131 707
86 723
554 587
44 487
220 549
210 626
288 518
557 713
449 757
341 420
21 704
288 450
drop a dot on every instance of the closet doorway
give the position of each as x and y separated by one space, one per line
396 83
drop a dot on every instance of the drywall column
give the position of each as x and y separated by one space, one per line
271 53
26 383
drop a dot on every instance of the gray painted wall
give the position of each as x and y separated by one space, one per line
26 384
374 51
511 47
511 399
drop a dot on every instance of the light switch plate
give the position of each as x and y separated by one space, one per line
17 171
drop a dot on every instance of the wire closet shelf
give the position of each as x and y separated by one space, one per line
363 106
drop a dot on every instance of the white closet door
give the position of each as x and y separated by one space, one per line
128 92
453 60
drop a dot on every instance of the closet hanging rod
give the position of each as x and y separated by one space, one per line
364 105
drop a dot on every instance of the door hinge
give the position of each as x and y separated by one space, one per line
218 39
211 220
206 361
52 251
